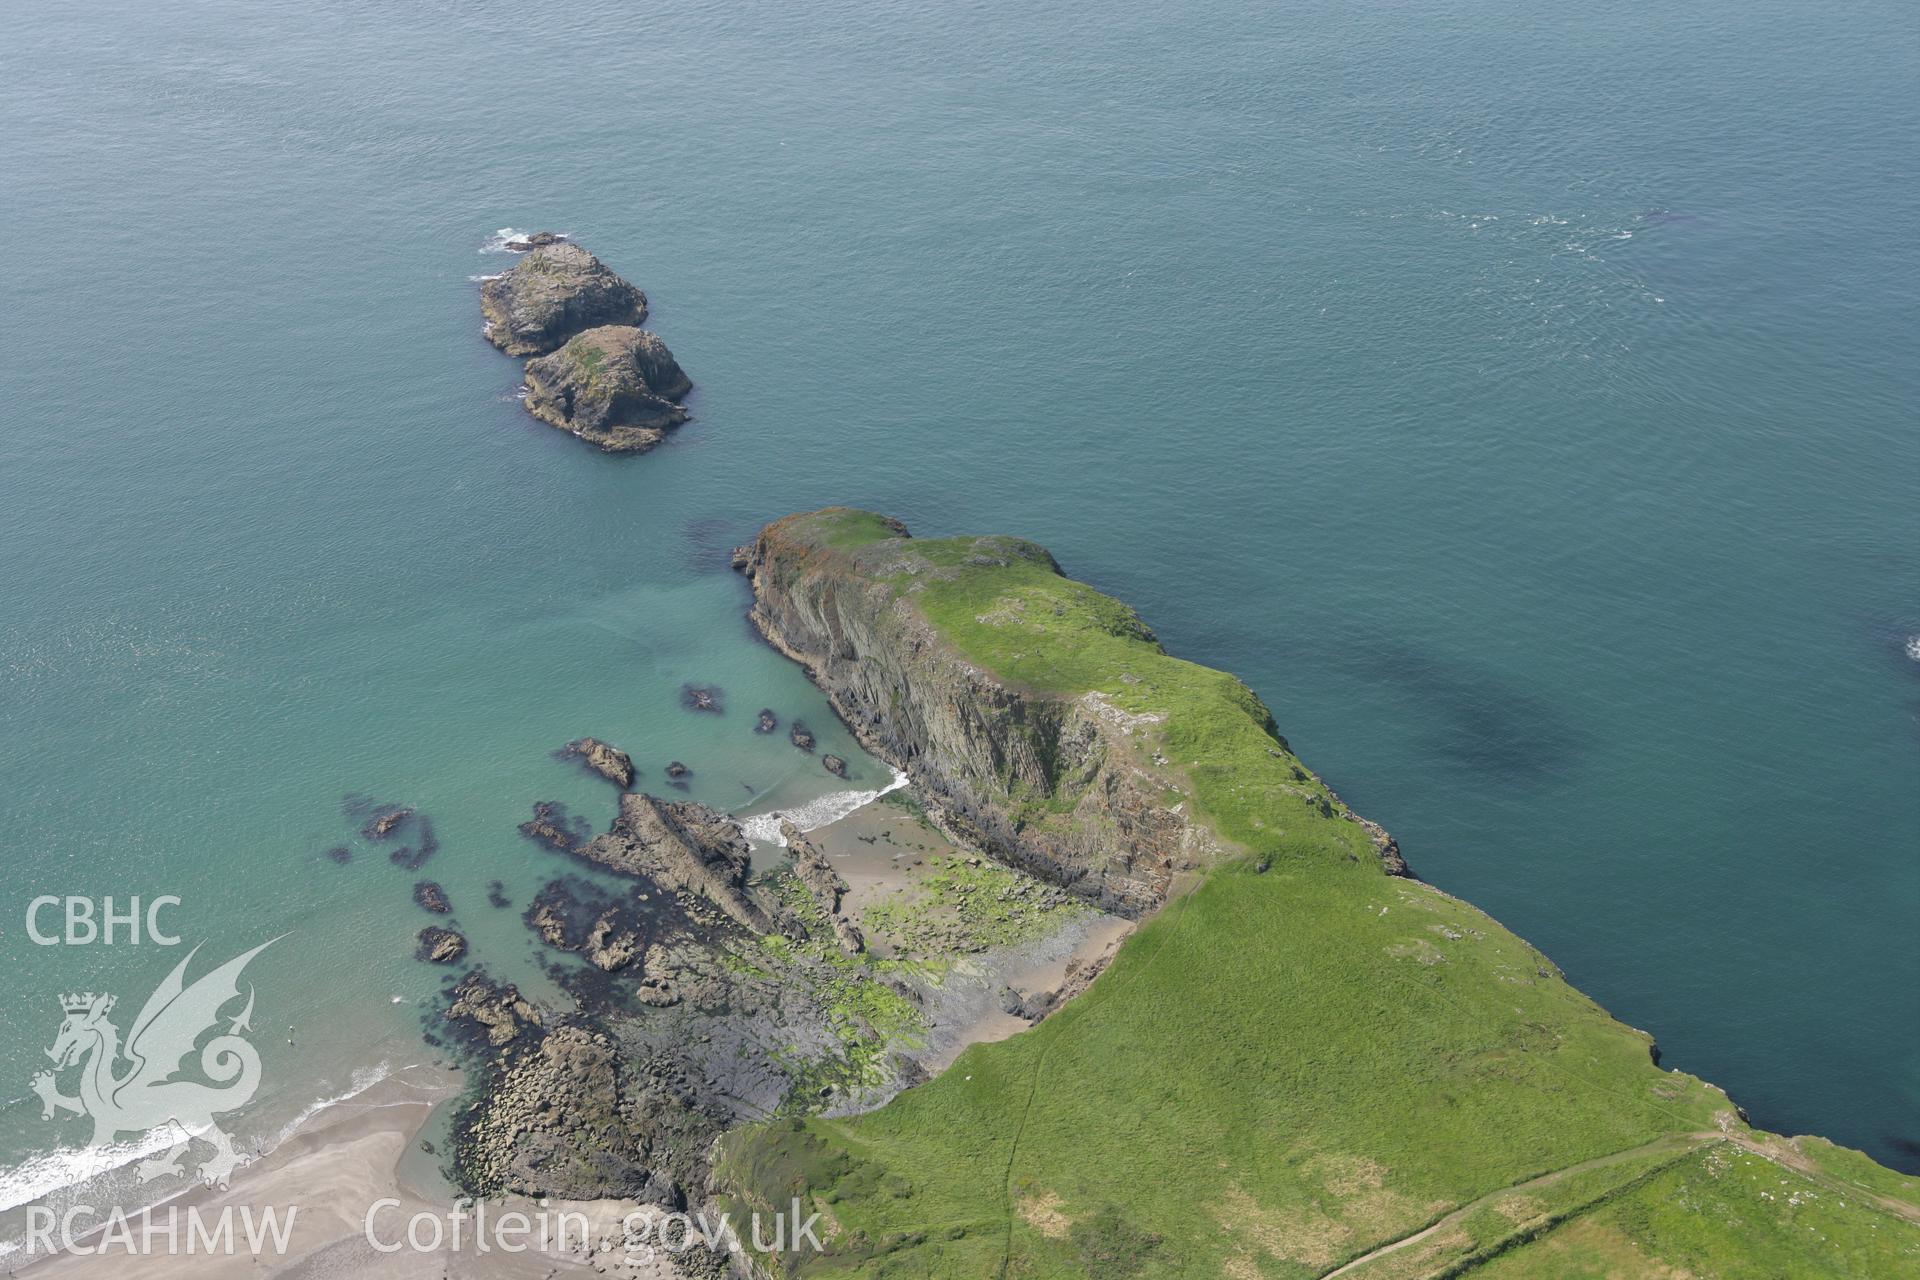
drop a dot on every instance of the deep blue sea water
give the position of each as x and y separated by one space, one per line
1526 403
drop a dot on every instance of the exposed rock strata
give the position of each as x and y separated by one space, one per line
616 387
682 846
1093 813
811 868
555 292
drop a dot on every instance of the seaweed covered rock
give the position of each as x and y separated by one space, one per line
615 386
556 291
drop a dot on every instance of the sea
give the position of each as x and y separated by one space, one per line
1524 401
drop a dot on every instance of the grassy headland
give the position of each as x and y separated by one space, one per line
1297 1065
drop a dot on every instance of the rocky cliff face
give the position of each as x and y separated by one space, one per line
616 387
1065 787
555 292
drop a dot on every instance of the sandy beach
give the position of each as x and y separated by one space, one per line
331 1173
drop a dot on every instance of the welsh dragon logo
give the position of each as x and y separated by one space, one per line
143 1095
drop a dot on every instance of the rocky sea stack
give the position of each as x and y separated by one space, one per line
555 292
614 387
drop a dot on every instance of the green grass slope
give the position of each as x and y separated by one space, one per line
1298 1065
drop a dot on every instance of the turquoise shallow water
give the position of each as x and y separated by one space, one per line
1525 407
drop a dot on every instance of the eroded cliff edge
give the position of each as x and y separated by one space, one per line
1303 1066
1080 786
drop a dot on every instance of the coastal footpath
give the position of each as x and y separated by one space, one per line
1303 1062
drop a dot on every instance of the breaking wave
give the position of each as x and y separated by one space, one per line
764 828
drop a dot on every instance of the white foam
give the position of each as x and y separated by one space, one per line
764 828
499 240
50 1172
1913 647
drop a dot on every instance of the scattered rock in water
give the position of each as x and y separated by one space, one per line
801 736
555 292
577 915
677 770
538 240
767 721
432 897
386 820
615 387
703 697
497 894
552 826
611 763
339 854
440 946
834 765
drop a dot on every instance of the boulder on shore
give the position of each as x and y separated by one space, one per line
614 386
555 292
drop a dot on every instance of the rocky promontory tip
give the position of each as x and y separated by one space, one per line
555 292
614 386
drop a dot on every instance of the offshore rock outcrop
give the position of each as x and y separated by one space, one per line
555 292
605 759
1066 787
616 387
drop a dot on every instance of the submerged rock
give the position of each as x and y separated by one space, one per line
767 721
616 387
440 946
386 820
611 763
412 857
432 897
703 697
497 894
676 770
555 292
551 826
340 855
